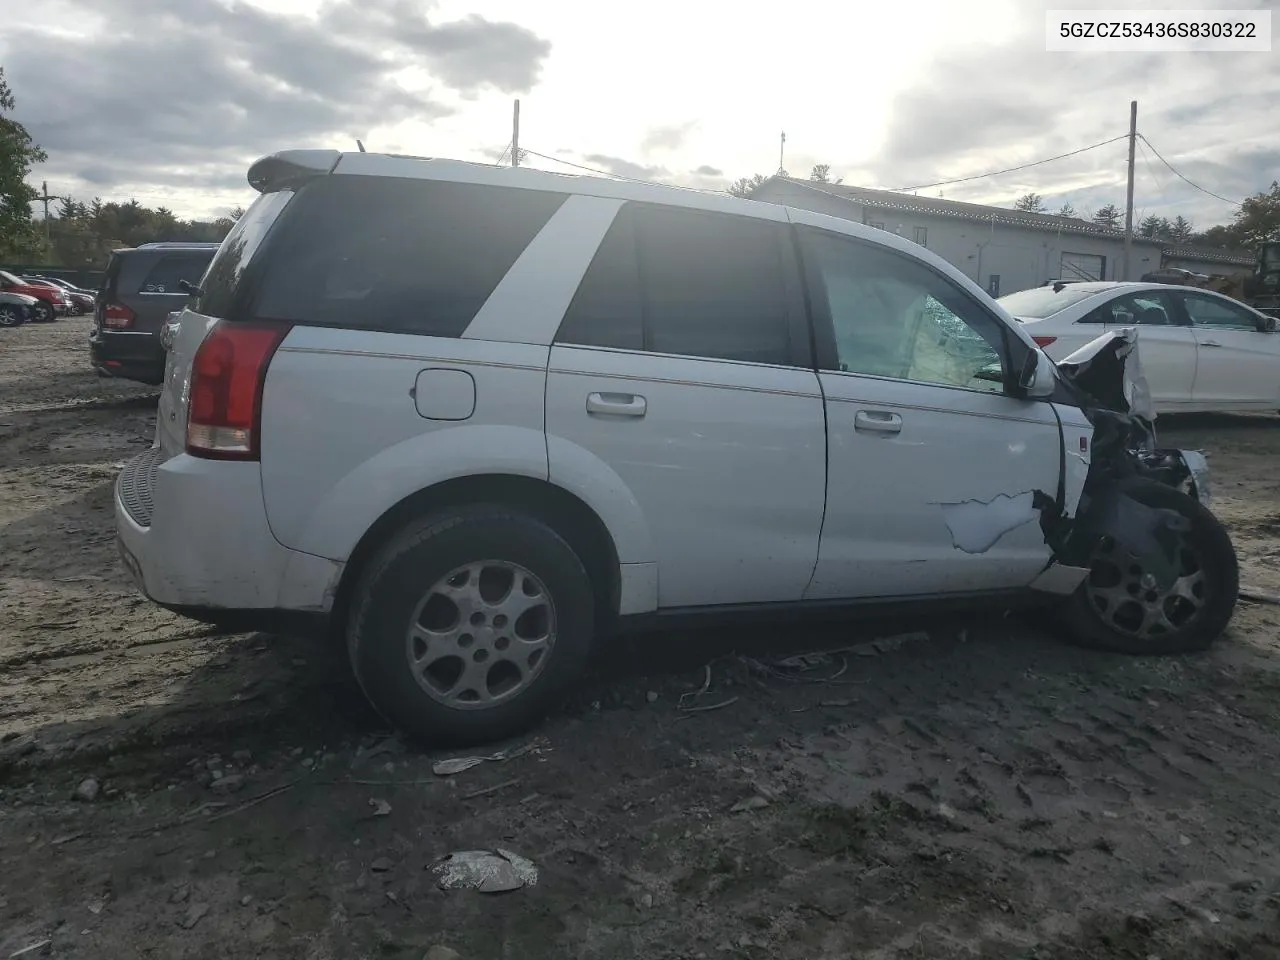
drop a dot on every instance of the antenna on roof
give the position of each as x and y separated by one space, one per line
361 146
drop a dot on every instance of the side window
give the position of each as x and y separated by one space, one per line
400 255
1212 312
712 285
605 312
1151 309
165 273
893 317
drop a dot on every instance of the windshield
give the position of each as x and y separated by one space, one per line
1040 302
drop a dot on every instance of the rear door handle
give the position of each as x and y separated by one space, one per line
1210 343
617 404
877 421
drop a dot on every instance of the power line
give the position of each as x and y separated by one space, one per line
1234 203
616 176
579 166
1024 166
1146 162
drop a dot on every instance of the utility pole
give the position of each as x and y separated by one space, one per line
782 149
46 198
1128 205
515 135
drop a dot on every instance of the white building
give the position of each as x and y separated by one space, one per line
1002 250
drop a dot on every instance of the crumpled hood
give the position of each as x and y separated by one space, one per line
1108 370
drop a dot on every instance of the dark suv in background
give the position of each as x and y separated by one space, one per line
141 287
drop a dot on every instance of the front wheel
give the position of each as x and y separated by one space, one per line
1120 607
10 316
42 312
468 626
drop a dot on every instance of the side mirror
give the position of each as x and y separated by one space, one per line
1040 376
1267 324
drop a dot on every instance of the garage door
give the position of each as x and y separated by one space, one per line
1083 266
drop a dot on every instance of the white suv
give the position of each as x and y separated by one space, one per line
477 417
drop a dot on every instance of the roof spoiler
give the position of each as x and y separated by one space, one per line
290 168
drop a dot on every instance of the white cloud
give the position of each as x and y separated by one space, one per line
887 95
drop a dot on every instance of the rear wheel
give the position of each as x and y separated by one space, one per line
1120 606
42 312
469 625
10 316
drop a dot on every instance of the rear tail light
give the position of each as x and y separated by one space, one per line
1043 341
224 417
117 316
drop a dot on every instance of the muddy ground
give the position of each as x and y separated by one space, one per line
980 791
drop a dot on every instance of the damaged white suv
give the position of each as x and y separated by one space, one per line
478 418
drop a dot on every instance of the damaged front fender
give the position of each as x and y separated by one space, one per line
1105 379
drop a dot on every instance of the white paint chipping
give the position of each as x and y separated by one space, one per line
976 526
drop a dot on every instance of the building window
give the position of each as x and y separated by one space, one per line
921 236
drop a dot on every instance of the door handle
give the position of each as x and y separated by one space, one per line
877 421
1210 343
617 404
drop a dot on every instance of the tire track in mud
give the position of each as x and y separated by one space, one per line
77 404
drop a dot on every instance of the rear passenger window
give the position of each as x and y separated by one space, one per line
605 312
687 283
401 255
164 275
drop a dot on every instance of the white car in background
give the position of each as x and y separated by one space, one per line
1201 351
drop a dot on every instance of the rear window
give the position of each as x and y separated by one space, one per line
165 273
1040 302
400 255
222 280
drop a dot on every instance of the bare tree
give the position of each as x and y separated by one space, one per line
746 186
1031 203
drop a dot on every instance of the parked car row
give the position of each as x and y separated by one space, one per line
40 299
82 300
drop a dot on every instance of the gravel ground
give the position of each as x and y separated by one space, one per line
977 790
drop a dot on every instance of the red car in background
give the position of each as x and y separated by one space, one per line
53 301
82 301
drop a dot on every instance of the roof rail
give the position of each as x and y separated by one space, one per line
178 245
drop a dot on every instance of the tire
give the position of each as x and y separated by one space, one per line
1210 552
405 584
42 312
10 316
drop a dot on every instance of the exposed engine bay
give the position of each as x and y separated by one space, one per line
1104 378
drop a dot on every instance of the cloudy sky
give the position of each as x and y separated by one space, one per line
169 100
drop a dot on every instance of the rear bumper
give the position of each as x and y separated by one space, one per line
193 534
131 356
